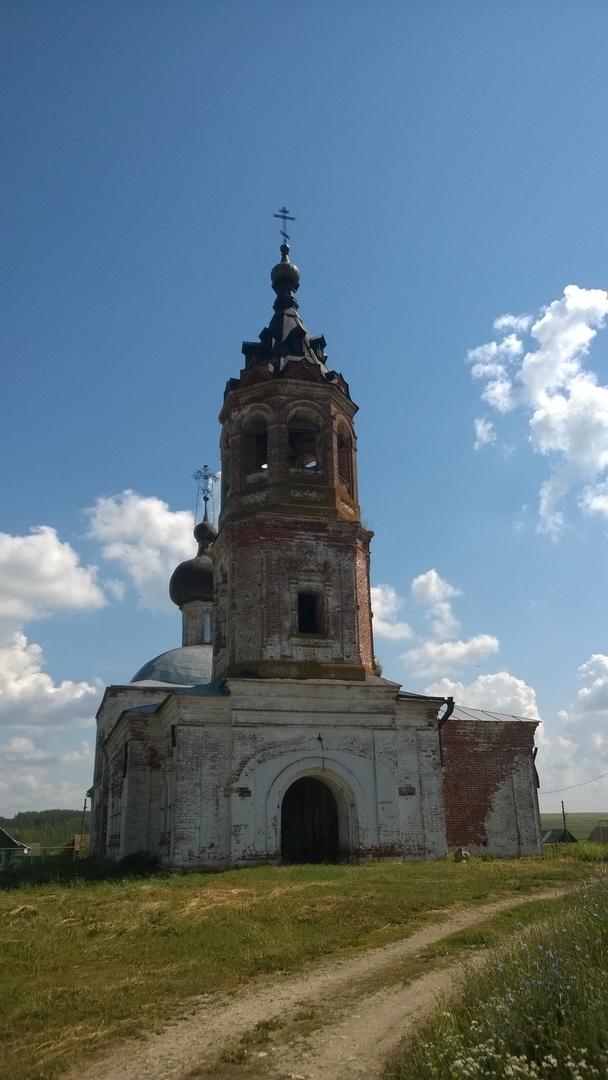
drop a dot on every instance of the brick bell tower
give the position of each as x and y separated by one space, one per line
291 560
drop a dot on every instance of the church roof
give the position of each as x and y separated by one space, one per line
190 665
462 712
285 346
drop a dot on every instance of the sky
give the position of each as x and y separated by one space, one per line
447 165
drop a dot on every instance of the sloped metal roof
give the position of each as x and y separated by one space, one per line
462 712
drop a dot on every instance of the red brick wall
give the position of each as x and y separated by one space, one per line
479 759
267 561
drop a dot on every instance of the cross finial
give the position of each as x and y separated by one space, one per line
285 217
205 480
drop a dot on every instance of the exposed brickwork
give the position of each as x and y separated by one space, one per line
290 524
265 562
489 794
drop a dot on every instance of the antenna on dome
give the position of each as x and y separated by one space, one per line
285 217
205 479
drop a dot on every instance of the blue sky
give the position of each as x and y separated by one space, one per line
447 165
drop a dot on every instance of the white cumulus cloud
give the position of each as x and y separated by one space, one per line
435 656
567 409
146 538
39 575
500 692
24 750
32 788
484 432
386 605
518 323
434 594
579 752
30 698
82 755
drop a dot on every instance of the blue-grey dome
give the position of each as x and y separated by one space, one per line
189 666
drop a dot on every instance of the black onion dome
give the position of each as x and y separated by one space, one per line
193 579
285 271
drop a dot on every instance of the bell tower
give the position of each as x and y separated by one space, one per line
291 560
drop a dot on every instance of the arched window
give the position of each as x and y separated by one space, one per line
256 445
345 459
304 442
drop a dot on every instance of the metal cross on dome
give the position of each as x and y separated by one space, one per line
285 217
205 479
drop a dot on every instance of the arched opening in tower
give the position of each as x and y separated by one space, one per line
304 442
345 459
309 823
256 445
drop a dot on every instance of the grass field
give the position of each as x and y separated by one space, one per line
580 825
86 964
537 1010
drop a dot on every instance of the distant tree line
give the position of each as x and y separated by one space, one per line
46 827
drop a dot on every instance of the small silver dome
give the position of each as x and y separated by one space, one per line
189 666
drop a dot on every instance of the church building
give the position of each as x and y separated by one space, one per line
270 735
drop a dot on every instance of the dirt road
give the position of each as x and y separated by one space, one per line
336 1021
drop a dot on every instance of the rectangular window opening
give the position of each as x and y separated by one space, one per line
308 614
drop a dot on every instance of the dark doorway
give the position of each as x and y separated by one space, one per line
309 823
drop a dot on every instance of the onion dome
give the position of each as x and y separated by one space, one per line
285 273
193 579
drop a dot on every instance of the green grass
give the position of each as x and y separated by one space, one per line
240 1058
538 1010
85 964
580 825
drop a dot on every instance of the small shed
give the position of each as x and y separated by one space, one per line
559 836
10 848
599 835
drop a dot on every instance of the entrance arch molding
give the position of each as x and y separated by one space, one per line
343 785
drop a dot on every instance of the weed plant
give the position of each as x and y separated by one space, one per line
539 1011
87 963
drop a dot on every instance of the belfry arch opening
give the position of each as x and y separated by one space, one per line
256 445
309 823
345 458
304 436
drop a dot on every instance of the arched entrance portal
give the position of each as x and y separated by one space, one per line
309 823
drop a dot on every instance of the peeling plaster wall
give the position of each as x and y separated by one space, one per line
222 766
116 700
490 790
